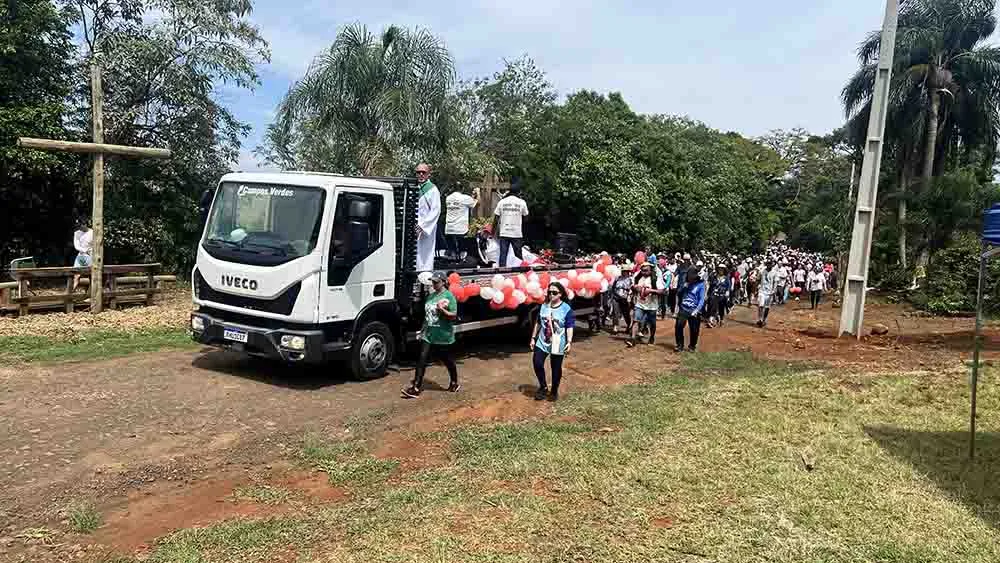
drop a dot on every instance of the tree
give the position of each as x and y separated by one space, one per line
36 187
945 87
163 61
369 98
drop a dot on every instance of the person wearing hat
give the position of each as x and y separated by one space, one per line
647 288
692 302
437 335
621 291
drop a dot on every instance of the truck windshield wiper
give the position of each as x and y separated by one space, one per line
281 250
233 245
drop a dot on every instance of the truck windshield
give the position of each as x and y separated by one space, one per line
263 224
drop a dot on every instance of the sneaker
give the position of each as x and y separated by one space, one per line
411 392
553 397
652 340
455 387
630 343
692 350
541 393
679 349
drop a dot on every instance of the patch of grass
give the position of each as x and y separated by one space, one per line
83 518
346 463
685 468
92 345
262 494
236 540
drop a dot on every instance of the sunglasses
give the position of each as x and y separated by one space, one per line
555 292
421 172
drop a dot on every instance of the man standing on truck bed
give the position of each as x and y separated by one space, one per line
507 219
456 222
428 212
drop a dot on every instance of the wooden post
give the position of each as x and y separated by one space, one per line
70 303
97 253
151 285
22 291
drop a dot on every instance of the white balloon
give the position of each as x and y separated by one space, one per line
424 278
487 292
532 287
497 282
519 296
571 274
508 283
523 279
570 294
533 277
498 298
564 282
605 285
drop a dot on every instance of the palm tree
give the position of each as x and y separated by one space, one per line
941 69
373 97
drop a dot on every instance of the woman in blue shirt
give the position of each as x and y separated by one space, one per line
552 338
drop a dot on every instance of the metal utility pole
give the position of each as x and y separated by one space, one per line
853 313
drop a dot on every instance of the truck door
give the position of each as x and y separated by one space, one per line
360 266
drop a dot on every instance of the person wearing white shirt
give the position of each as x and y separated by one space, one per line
428 212
507 220
458 207
817 285
83 242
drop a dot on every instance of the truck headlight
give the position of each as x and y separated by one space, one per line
197 324
293 342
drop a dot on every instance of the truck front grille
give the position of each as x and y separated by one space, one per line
280 305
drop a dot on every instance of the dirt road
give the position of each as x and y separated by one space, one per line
131 432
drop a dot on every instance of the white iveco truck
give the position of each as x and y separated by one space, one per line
305 266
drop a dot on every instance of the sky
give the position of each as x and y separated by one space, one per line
735 65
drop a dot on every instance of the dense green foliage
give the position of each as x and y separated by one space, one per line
37 189
162 61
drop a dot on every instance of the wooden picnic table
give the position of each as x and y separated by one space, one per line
23 276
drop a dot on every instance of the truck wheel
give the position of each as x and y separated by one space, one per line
373 349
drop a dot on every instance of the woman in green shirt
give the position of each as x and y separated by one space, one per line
438 334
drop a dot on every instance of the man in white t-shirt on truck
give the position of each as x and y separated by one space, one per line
507 221
456 224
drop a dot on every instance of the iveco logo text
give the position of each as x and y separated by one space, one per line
274 192
244 283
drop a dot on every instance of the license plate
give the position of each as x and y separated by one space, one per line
234 335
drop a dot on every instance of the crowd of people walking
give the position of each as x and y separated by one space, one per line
703 289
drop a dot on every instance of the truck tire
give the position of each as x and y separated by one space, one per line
374 347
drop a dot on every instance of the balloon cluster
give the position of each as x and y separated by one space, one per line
510 293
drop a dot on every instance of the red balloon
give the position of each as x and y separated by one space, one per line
544 279
507 291
577 284
472 290
593 285
455 289
511 302
601 266
495 306
640 258
454 278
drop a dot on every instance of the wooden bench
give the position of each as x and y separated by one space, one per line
24 301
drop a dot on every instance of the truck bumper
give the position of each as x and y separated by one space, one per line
263 342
